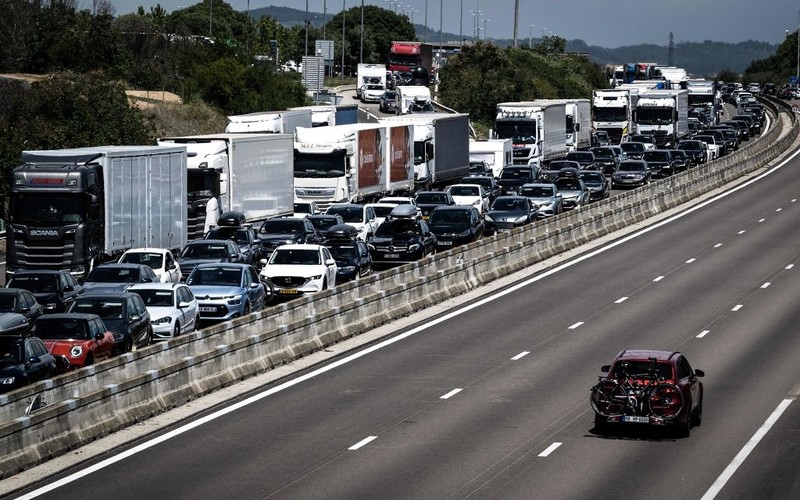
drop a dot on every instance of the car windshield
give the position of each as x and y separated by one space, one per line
383 211
237 235
431 198
8 302
396 227
105 308
204 251
689 146
216 276
580 156
46 328
568 184
10 350
349 214
281 226
156 298
449 217
536 191
603 153
465 191
510 173
656 156
631 167
510 204
35 283
300 257
153 260
343 251
640 369
486 182
113 275
592 177
322 222
632 147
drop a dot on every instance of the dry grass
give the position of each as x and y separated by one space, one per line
192 118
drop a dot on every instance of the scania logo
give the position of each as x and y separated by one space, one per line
44 232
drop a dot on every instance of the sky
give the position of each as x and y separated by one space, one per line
607 23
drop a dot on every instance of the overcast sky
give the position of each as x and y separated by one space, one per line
608 23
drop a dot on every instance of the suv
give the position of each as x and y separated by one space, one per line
456 225
123 313
361 217
514 176
232 226
24 359
402 238
649 387
286 230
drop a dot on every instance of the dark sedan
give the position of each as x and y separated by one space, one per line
456 225
598 184
276 232
633 150
586 159
17 300
510 212
24 359
428 200
660 162
353 260
401 240
631 173
696 151
116 277
552 170
605 159
244 237
55 290
208 251
124 314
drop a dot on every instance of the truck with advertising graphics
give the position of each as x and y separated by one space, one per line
248 173
352 163
270 122
536 128
497 153
72 209
405 56
327 115
613 111
663 113
441 147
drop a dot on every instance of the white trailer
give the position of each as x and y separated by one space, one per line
537 129
497 153
270 122
613 111
663 113
410 94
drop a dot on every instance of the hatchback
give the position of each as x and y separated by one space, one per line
172 306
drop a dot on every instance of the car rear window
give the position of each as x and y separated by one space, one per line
637 369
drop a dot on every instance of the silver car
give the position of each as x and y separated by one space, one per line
573 191
545 196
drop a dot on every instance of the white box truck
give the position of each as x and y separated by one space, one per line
613 112
411 95
270 122
497 153
536 128
369 74
663 113
74 208
249 173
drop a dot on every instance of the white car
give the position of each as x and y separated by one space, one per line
172 306
470 194
305 208
372 92
361 217
300 269
401 200
382 211
160 260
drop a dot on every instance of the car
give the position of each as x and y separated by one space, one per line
605 159
456 225
631 173
244 237
208 251
305 208
401 200
742 127
680 158
574 193
353 260
123 313
359 216
116 277
649 140
20 301
552 170
160 260
24 359
545 196
296 270
696 151
714 147
488 182
81 339
649 387
227 290
402 238
287 231
586 159
730 136
633 150
513 176
382 211
597 183
388 101
480 167
323 222
428 200
510 212
54 290
601 138
172 306
660 162
470 195
372 92
753 125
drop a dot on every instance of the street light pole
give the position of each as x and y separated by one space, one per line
324 14
798 46
211 15
306 50
344 16
361 50
484 27
426 20
461 24
530 36
516 21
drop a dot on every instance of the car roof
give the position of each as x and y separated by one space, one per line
63 316
105 295
229 265
121 265
301 246
12 321
40 271
453 208
162 251
208 242
156 286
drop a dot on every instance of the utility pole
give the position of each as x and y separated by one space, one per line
516 21
211 15
324 14
306 50
426 20
361 50
344 16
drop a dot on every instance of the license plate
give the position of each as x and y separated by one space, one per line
288 291
445 243
391 256
208 309
635 419
504 230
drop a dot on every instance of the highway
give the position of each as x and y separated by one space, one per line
491 400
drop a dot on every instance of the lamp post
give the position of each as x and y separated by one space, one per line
343 19
797 74
361 50
211 15
306 49
476 25
324 14
461 24
530 36
426 20
484 27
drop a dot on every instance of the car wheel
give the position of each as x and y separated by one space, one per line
177 331
196 323
697 416
89 360
246 309
128 345
324 283
600 424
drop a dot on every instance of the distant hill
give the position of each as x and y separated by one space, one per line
698 58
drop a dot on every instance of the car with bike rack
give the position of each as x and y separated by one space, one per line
657 388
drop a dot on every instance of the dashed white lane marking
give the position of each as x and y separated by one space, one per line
520 355
451 394
703 334
620 300
778 209
690 260
718 245
741 232
550 449
576 325
765 285
790 266
761 220
363 442
737 307
794 200
659 278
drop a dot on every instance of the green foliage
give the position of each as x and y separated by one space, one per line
776 68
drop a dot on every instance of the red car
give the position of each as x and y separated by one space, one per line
649 387
80 339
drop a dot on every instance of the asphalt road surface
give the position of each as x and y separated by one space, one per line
491 400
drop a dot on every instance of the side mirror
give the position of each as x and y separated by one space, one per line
98 337
263 262
605 368
700 373
255 285
330 262
183 305
33 360
134 319
69 288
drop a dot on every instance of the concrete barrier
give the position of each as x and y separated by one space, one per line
97 400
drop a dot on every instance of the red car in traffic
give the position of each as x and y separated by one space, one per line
81 339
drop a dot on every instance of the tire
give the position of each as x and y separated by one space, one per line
324 283
196 323
177 331
600 424
609 398
246 309
697 416
128 345
89 360
665 400
683 429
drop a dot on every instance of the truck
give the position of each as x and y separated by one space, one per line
703 94
248 173
352 163
663 113
613 110
578 122
270 122
537 129
409 95
326 115
370 73
497 153
405 56
71 209
441 147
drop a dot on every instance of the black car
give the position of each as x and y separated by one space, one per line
634 150
742 127
20 301
402 239
552 171
124 314
323 222
585 158
696 151
680 158
24 359
208 251
598 184
660 162
388 102
509 212
644 139
456 225
351 254
605 159
730 135
55 290
514 176
480 167
489 183
276 232
428 200
232 226
631 173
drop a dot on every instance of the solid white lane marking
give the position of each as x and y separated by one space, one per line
690 261
550 449
790 266
380 345
576 325
741 232
744 452
620 300
703 334
765 285
737 307
659 278
718 245
520 355
451 394
363 442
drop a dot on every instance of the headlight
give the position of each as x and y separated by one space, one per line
162 321
487 218
118 337
234 300
347 269
414 247
287 242
317 277
520 220
76 351
50 306
7 381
